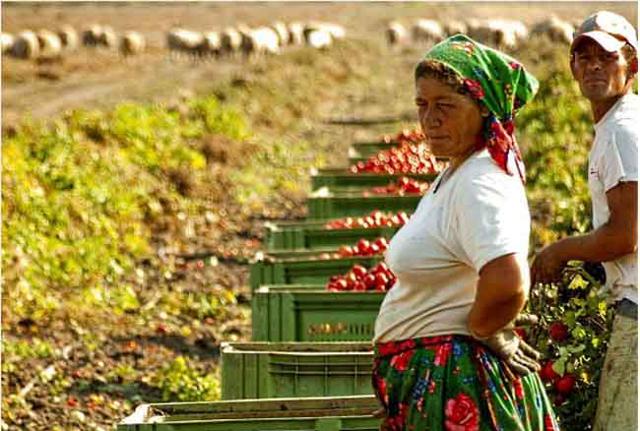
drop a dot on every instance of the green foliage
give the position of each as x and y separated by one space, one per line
577 303
180 382
16 351
555 132
277 168
80 197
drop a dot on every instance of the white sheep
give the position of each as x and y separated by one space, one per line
91 35
454 27
500 34
260 40
520 29
132 43
69 37
296 33
231 40
108 37
396 34
184 41
336 31
25 45
555 29
427 30
6 42
49 44
281 30
319 39
211 44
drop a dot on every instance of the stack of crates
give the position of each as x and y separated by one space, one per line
309 364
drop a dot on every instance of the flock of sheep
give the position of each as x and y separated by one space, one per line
46 44
501 33
271 39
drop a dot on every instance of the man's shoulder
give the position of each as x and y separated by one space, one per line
627 112
622 127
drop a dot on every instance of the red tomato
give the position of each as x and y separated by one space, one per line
359 271
370 281
558 331
547 374
565 384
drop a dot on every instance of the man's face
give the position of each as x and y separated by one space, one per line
601 75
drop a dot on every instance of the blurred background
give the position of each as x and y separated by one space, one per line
146 144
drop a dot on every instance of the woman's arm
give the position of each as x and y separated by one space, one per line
501 294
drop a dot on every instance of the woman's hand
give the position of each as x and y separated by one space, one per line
508 346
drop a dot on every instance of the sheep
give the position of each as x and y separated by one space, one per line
296 33
211 44
319 39
281 30
184 41
260 40
108 37
91 36
231 40
500 34
396 34
49 44
68 37
132 43
25 45
555 29
6 42
336 31
520 30
427 30
454 27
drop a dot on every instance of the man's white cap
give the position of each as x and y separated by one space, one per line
610 30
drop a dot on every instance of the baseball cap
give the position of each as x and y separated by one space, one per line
610 30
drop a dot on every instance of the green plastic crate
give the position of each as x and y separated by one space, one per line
354 160
350 204
301 414
364 150
341 177
303 270
270 370
313 235
281 313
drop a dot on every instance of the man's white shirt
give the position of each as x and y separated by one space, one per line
614 159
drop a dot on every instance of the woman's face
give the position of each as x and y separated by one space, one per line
450 120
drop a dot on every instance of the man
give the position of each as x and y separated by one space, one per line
604 63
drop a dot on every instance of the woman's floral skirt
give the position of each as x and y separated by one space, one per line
454 383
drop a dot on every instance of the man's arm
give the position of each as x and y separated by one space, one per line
614 239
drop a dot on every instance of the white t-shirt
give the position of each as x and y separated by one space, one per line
479 214
614 159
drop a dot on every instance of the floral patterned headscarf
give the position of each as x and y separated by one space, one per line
500 83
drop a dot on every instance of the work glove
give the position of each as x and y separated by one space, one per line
508 346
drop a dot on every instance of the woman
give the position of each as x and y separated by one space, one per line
447 357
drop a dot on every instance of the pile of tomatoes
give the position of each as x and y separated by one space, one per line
374 219
379 278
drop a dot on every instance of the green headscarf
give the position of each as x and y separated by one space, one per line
500 83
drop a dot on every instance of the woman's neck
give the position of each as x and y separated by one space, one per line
455 162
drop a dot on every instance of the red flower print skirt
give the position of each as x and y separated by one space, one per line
453 383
